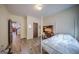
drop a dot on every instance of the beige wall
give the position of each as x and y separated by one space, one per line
4 16
63 21
30 21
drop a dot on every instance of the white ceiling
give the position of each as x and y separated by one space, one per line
29 10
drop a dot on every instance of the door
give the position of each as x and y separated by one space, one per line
9 35
35 30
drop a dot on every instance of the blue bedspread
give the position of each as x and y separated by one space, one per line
61 43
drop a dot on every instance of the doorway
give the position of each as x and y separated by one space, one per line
13 36
35 30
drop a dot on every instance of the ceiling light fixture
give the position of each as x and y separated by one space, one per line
39 6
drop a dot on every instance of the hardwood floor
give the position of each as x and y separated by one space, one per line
24 46
31 46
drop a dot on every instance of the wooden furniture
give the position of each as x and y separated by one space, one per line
48 31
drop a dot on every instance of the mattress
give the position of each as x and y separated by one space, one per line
62 43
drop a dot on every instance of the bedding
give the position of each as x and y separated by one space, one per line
61 43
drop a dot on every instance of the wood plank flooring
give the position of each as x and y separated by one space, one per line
31 46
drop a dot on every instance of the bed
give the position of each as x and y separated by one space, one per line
61 44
